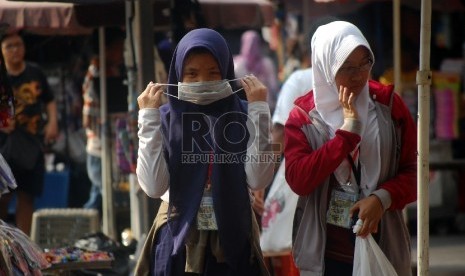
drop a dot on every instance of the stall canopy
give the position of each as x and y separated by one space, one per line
41 17
79 16
323 7
237 14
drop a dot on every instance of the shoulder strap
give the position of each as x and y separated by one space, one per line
391 100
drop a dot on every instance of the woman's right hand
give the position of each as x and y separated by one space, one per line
347 100
151 97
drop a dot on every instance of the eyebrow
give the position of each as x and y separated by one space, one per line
348 62
13 43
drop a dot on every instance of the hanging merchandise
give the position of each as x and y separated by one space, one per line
7 179
446 92
18 254
126 155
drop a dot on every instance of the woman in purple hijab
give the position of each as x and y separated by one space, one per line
252 60
203 153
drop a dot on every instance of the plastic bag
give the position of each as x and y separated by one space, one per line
277 219
369 259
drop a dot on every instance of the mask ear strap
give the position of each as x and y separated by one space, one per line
235 79
242 88
169 84
166 93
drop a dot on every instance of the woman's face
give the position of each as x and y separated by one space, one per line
200 67
355 71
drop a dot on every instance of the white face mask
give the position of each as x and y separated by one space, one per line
205 92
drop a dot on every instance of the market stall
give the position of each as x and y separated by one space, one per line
80 16
21 254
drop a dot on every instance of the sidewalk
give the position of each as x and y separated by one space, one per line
446 254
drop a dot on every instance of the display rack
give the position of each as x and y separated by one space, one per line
79 265
69 259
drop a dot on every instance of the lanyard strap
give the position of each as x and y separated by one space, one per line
209 174
356 170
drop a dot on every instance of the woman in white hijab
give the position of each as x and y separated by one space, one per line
350 150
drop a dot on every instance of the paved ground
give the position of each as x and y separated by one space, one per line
446 254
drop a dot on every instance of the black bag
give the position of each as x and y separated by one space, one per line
20 149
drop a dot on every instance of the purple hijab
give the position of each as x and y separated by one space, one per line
191 130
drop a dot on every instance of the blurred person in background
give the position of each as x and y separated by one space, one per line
36 117
299 83
293 60
252 61
91 121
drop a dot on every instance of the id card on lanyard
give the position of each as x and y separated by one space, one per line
206 219
343 197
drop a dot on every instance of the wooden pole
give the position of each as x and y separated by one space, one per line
424 83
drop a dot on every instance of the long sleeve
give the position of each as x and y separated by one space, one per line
152 170
306 168
403 187
260 165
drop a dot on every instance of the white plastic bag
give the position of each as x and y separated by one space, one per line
369 259
280 204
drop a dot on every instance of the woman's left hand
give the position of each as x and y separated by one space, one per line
347 101
254 89
258 204
370 210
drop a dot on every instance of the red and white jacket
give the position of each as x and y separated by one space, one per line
308 170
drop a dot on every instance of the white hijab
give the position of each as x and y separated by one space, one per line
331 45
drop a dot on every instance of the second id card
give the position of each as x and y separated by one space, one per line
339 206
